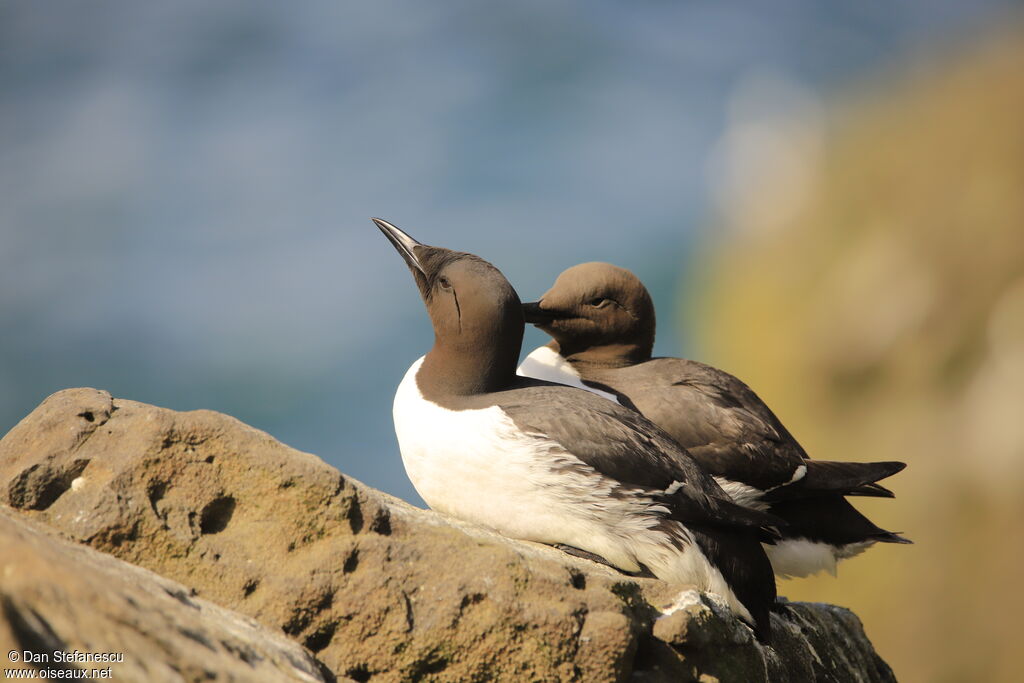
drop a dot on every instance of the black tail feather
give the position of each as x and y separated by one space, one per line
846 478
721 513
891 537
830 519
737 515
872 490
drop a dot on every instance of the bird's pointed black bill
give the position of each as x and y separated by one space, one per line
535 315
402 242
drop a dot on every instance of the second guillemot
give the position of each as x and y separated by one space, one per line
549 463
602 320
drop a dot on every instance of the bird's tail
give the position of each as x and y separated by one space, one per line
844 478
830 519
890 537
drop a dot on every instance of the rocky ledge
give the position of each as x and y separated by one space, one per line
265 563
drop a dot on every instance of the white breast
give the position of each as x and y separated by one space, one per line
743 494
478 466
468 463
543 363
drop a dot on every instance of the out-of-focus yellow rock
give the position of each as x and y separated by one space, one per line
884 320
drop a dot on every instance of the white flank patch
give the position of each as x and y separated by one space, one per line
750 496
673 487
478 466
798 474
743 494
543 363
78 483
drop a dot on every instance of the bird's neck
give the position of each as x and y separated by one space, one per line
451 370
605 355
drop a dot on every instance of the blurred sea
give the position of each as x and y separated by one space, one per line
185 187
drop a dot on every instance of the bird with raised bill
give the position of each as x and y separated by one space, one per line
544 462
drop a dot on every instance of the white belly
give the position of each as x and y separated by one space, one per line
800 557
468 464
478 466
543 363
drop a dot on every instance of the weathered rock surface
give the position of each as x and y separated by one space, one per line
377 589
59 597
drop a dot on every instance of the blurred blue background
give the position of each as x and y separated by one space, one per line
185 187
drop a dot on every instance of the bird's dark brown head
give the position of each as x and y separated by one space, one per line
476 314
599 311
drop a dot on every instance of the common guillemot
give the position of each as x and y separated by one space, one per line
543 462
601 318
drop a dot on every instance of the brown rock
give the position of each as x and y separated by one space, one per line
376 588
61 603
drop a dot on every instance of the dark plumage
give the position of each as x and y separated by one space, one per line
602 320
626 447
728 428
599 471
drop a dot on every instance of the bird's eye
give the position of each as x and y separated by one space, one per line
599 302
444 282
